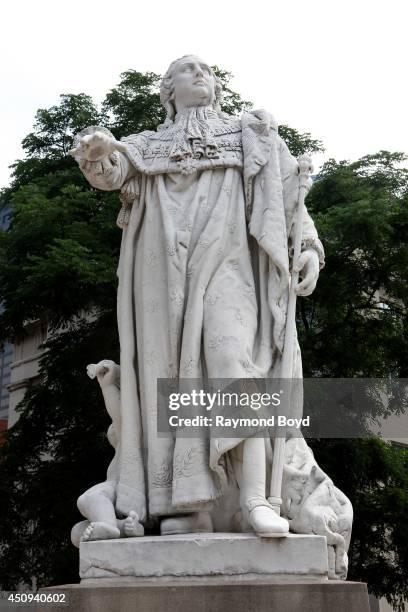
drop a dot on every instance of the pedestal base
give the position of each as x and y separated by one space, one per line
259 596
209 572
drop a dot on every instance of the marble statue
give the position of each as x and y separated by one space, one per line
208 204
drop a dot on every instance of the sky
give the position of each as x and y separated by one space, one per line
336 69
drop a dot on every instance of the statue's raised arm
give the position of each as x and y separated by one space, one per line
102 158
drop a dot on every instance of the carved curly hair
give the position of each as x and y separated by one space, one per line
167 90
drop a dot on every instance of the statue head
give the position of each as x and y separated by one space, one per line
189 81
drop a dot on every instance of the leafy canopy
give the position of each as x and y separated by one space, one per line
361 301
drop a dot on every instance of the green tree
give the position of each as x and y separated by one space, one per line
374 475
58 260
47 147
55 451
300 143
361 302
134 105
355 325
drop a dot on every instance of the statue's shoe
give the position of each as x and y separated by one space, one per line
267 524
199 522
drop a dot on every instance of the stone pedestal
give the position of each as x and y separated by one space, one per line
233 555
212 572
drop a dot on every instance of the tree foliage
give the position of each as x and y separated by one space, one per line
361 302
355 324
58 261
374 475
56 450
47 146
300 143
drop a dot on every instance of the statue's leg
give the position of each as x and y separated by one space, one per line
251 477
97 505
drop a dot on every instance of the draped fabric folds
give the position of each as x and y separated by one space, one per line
203 283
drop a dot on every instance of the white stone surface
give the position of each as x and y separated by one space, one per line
197 555
209 209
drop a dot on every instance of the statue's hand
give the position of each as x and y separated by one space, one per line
308 266
96 146
107 372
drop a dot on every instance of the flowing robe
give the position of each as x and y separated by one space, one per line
203 284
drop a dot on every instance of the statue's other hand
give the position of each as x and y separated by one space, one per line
96 146
308 266
108 373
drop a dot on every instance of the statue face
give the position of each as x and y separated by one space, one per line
193 83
